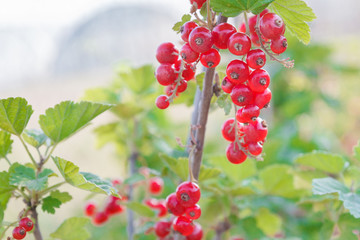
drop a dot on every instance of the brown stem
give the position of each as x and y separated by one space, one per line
34 215
221 228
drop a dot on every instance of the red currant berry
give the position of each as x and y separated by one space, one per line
165 74
186 29
90 209
263 99
256 41
156 185
151 202
234 154
265 11
187 54
113 208
193 212
278 45
228 130
162 102
198 3
26 223
256 58
183 225
188 72
167 53
197 234
162 210
210 59
242 28
100 218
227 85
255 131
162 228
19 233
221 34
188 193
201 40
259 80
174 206
252 23
255 148
182 87
239 44
271 26
169 90
248 113
241 95
237 71
116 182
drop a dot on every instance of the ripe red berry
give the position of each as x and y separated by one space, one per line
242 28
278 45
256 41
113 208
228 130
182 87
100 218
162 102
255 131
167 53
188 54
248 113
271 26
161 208
241 95
263 99
162 228
26 223
90 209
199 3
186 29
227 85
19 233
237 71
255 148
151 202
188 193
156 185
193 212
165 74
259 80
256 58
169 90
210 59
239 44
197 234
174 206
221 34
200 39
183 225
188 72
234 154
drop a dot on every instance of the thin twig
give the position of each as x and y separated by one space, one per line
8 160
27 150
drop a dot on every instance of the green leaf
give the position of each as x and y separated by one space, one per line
1 215
5 144
14 115
134 179
139 80
85 181
72 229
35 137
327 162
241 191
127 110
268 222
63 197
224 102
357 151
296 14
25 177
141 209
232 8
5 188
352 203
327 185
49 204
185 18
178 166
66 118
199 80
347 225
208 173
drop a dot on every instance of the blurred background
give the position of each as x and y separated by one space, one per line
54 50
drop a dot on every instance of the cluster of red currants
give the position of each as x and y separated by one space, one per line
183 205
25 225
155 187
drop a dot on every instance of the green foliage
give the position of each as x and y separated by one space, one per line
72 229
63 197
323 161
35 137
141 209
49 204
224 102
232 8
5 189
268 222
185 18
15 113
26 177
5 144
66 118
179 166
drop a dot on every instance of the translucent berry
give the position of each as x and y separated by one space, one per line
241 95
239 44
210 59
26 223
188 72
169 90
227 85
156 185
162 228
113 207
256 58
167 53
199 3
259 80
255 131
19 233
228 130
234 154
162 102
201 40
90 209
248 113
263 99
278 45
186 29
197 234
182 87
188 193
174 206
237 71
271 26
188 54
183 225
161 208
221 34
193 212
255 148
100 218
165 74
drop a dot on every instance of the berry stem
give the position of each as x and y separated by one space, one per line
178 82
28 152
246 24
7 228
209 15
201 22
8 161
